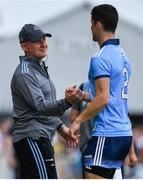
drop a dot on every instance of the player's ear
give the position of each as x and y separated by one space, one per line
98 24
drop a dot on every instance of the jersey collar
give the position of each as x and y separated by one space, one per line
111 42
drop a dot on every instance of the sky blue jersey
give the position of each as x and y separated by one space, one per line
112 62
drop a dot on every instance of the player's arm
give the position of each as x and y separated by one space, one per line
75 111
102 88
74 114
131 159
76 107
101 99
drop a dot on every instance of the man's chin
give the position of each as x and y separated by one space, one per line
43 55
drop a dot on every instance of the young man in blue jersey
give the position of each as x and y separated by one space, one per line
109 74
85 132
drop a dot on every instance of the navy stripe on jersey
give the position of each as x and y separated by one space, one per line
102 76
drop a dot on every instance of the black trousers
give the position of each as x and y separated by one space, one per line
36 158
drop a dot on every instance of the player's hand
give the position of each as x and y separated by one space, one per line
74 94
74 129
71 142
71 89
131 159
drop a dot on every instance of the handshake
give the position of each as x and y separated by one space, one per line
74 95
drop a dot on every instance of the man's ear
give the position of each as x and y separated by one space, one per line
99 25
24 47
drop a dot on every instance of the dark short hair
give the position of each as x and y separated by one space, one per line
107 15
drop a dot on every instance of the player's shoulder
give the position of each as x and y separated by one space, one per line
101 57
103 53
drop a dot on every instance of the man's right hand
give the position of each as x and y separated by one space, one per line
74 94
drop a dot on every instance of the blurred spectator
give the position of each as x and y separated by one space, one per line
7 160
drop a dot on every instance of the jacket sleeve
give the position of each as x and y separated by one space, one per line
28 87
60 125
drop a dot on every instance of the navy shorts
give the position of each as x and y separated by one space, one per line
107 152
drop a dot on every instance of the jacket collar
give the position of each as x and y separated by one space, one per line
25 58
35 63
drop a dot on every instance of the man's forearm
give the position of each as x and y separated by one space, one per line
96 105
56 108
132 150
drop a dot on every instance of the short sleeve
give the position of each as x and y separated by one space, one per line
100 67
